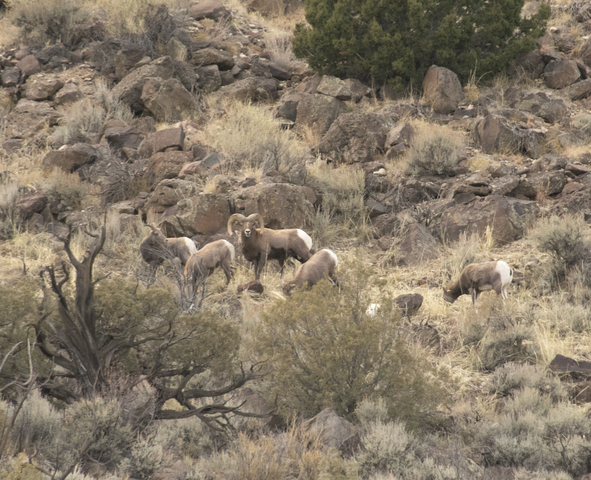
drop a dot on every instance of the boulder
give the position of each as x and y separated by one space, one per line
418 245
29 65
508 218
165 165
530 65
288 106
42 87
334 87
319 112
168 138
167 194
565 365
585 52
69 93
129 89
212 56
185 73
10 77
282 205
125 60
579 90
442 90
334 431
71 158
209 78
252 89
561 73
30 117
398 140
358 89
203 214
120 136
30 204
539 104
355 138
168 100
495 133
276 71
546 183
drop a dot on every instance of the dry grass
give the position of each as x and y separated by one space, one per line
251 141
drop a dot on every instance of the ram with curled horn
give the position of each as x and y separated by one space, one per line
260 244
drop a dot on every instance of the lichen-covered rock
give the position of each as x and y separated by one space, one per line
319 112
442 90
168 100
355 138
129 89
507 218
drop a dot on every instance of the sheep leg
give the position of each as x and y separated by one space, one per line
259 265
281 266
228 271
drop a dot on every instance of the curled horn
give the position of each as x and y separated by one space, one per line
257 217
233 219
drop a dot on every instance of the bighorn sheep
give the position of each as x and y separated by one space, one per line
320 265
203 262
479 277
156 248
262 244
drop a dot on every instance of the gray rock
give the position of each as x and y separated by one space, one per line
358 89
355 137
212 56
334 431
209 78
29 65
71 158
69 93
42 87
213 9
334 87
10 77
252 89
319 111
129 89
579 90
442 90
168 138
168 100
30 117
561 73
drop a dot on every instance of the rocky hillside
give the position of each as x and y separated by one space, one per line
204 112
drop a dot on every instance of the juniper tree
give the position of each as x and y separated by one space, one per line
396 41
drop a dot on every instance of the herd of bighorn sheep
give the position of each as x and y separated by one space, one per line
260 244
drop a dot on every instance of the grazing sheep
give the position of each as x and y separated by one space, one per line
260 244
320 265
479 277
203 262
156 248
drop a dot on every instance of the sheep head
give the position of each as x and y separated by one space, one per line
247 224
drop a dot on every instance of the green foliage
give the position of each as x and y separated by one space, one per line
325 350
564 238
398 41
435 152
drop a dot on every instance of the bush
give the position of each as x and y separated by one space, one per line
511 377
250 139
63 21
533 434
397 42
435 151
342 213
325 350
143 460
564 238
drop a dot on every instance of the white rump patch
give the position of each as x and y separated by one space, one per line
190 245
231 247
373 309
332 255
505 271
305 237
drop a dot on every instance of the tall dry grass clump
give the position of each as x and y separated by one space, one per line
252 142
